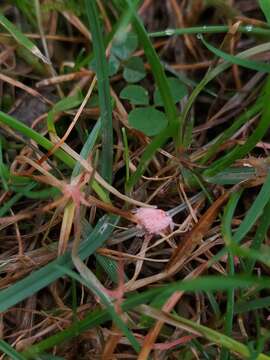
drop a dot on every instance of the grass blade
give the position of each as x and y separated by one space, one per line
211 29
109 306
265 6
254 212
13 200
48 145
242 307
87 147
8 350
260 235
249 64
34 135
95 318
210 75
227 235
39 279
103 90
22 39
240 151
250 219
211 335
238 122
62 105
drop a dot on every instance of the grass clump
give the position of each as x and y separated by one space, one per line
108 107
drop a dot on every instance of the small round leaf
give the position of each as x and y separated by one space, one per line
135 94
148 120
134 70
113 65
178 91
124 45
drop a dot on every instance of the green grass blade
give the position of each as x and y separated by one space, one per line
212 74
265 6
227 235
232 175
261 256
228 217
214 304
14 199
126 153
257 304
109 306
107 264
39 194
249 64
213 29
228 133
110 266
3 167
87 147
46 275
95 318
22 39
260 235
8 350
240 151
250 219
206 332
64 104
106 158
254 212
34 135
48 145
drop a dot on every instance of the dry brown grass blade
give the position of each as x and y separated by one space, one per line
61 141
78 24
91 200
119 255
87 166
24 87
66 227
111 344
167 307
178 13
8 220
193 238
194 66
139 263
104 16
75 39
64 78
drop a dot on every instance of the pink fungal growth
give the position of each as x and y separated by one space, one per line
154 221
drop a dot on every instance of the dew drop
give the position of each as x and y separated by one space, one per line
249 28
169 32
103 228
204 27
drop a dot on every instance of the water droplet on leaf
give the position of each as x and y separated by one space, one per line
249 28
169 32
